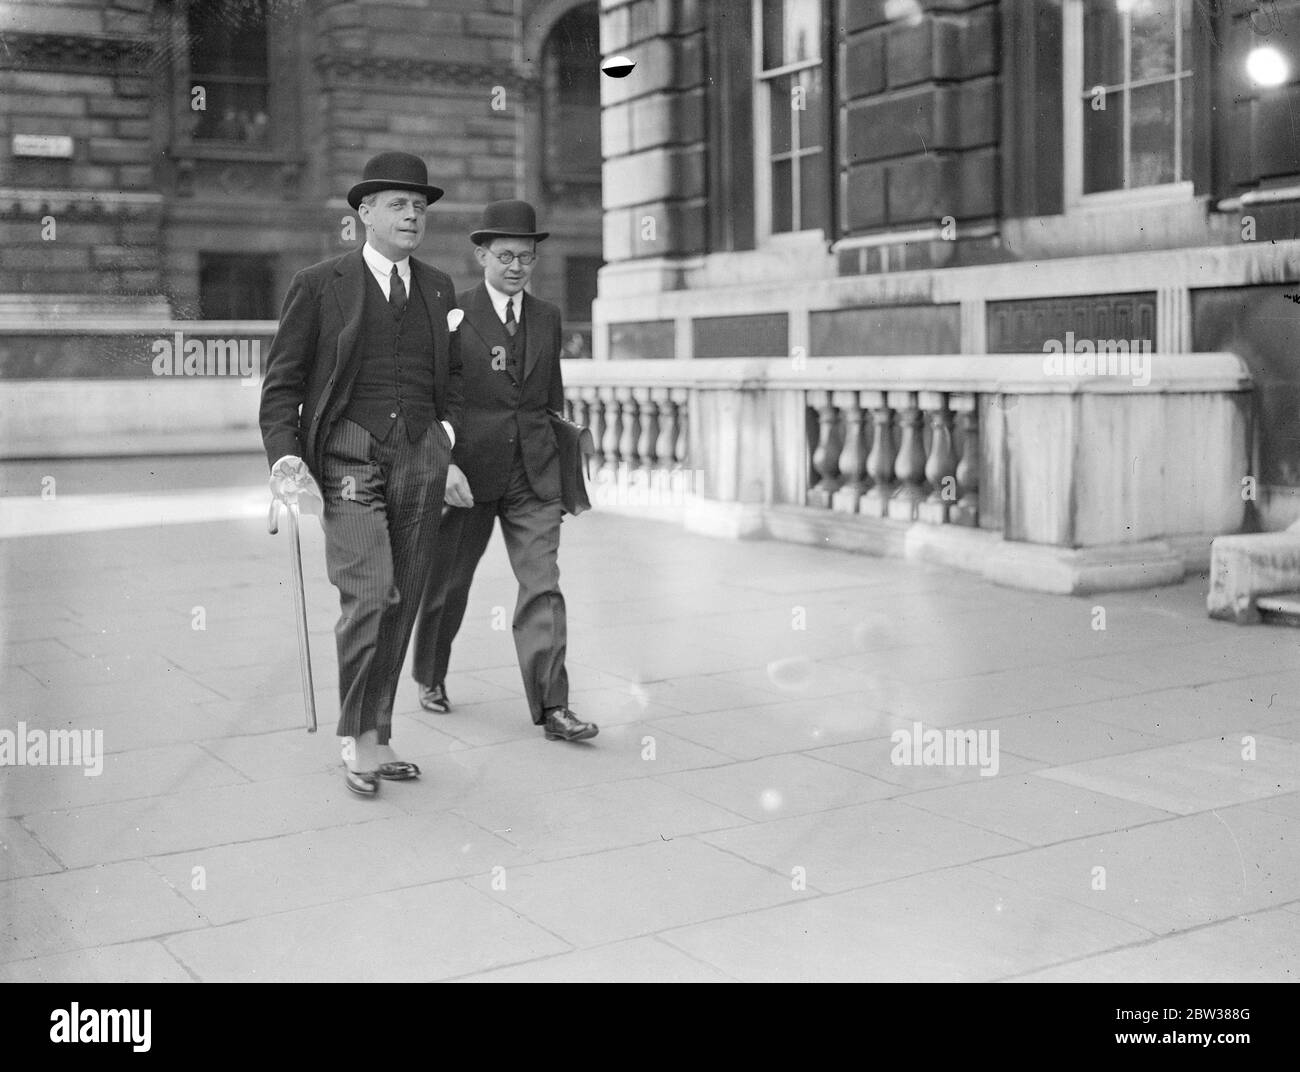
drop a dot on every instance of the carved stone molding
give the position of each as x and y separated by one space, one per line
336 69
75 52
16 203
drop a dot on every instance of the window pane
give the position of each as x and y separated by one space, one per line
780 112
235 287
234 113
1103 45
1103 144
1151 138
791 31
571 105
781 196
580 286
812 115
228 53
228 37
812 191
1151 38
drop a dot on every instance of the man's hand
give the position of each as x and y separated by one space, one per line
458 493
292 482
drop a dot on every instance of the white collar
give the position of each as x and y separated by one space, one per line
499 302
382 265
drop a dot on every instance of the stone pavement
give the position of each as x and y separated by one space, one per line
744 814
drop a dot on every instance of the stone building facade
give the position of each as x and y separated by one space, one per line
184 159
842 178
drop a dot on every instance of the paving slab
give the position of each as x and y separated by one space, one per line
93 906
957 925
1263 947
129 962
775 787
421 934
1194 776
1034 809
578 822
248 880
860 845
637 960
641 890
1170 876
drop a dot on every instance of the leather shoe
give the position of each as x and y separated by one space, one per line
363 783
434 698
399 771
561 724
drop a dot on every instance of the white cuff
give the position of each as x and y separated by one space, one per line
450 434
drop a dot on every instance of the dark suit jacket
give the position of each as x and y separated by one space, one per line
493 409
310 367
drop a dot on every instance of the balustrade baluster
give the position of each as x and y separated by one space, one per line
880 462
826 454
909 466
853 458
681 450
648 414
627 441
665 444
941 465
610 441
596 422
967 508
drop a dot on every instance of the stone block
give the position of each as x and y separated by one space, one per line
1246 566
918 121
864 197
922 190
864 65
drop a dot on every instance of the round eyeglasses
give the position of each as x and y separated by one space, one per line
506 257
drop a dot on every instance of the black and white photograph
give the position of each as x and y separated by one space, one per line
638 491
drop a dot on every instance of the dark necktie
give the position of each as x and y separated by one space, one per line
512 325
396 292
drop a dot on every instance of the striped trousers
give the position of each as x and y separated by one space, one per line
383 502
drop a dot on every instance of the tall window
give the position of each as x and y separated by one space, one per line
229 71
236 286
571 70
1128 69
790 116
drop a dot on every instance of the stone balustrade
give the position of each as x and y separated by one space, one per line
1061 482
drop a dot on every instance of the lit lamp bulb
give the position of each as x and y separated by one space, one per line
1267 66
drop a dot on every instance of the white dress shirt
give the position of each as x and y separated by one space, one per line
499 303
382 268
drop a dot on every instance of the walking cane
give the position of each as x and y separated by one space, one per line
299 602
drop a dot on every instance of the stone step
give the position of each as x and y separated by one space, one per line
1280 608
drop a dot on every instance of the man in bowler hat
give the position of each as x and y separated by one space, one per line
505 466
360 396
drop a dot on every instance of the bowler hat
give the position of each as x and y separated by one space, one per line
508 219
393 171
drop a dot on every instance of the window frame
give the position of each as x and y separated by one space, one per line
1073 94
761 80
283 144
